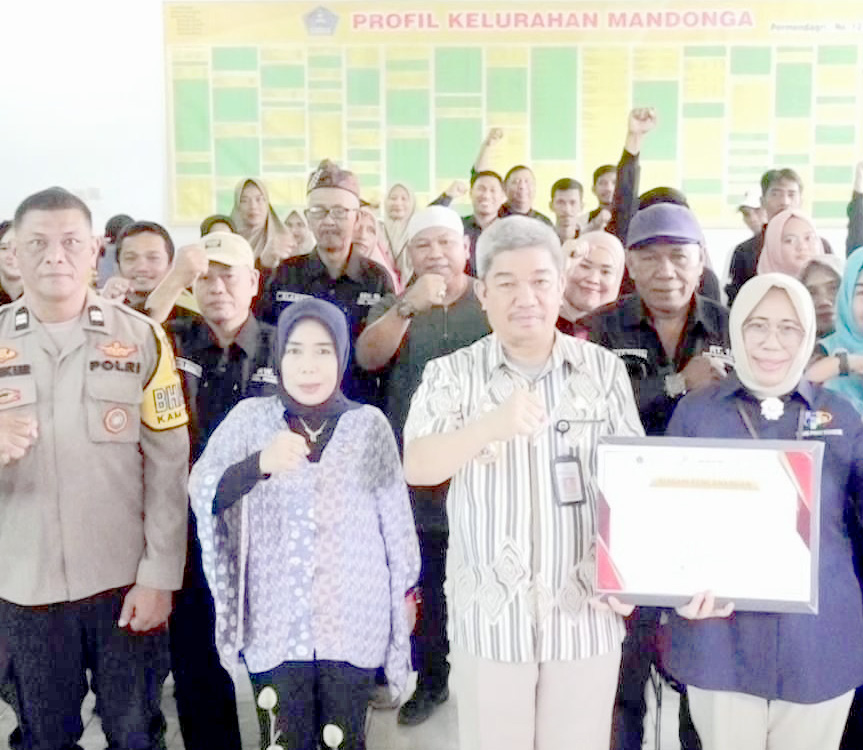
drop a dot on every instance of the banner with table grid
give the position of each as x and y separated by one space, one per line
405 92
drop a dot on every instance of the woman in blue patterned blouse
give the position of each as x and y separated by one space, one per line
308 538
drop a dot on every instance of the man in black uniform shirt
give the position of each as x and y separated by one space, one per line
672 340
223 359
332 271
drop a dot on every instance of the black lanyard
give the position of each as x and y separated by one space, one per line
747 421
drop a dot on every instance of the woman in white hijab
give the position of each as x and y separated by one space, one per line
756 680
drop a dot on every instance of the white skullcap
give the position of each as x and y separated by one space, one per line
434 216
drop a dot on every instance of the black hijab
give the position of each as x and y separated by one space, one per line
302 418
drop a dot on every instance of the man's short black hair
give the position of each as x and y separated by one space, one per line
566 183
516 168
51 199
772 176
485 173
115 225
604 169
144 227
207 224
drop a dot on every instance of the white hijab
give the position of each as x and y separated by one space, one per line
749 297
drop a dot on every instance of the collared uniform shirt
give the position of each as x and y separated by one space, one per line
215 379
98 501
625 327
520 568
361 286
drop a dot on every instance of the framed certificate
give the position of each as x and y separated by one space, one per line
737 517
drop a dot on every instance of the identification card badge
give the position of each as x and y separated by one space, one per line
568 480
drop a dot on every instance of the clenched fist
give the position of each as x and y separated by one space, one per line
286 452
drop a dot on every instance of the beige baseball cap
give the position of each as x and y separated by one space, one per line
228 249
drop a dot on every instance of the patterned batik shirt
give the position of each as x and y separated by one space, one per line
520 568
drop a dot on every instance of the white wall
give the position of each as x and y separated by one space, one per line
83 95
83 91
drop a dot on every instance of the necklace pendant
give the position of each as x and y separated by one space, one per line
312 435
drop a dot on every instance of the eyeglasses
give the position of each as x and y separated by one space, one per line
321 212
786 333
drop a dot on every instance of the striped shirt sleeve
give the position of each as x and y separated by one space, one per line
437 406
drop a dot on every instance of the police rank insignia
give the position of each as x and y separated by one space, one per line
117 350
9 396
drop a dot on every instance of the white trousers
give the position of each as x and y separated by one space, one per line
534 706
737 721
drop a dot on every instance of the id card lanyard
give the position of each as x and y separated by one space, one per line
750 427
568 473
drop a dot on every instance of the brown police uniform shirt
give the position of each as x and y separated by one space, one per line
99 501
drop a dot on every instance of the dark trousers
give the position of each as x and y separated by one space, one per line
429 644
52 646
640 650
206 703
312 694
7 693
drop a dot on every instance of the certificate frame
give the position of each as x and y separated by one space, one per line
762 496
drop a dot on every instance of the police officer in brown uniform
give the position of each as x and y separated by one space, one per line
93 465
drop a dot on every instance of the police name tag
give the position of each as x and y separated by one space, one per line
186 365
568 480
282 296
265 375
367 299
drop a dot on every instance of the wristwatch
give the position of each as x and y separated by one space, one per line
842 356
404 309
675 385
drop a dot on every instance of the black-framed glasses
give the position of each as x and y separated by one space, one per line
321 212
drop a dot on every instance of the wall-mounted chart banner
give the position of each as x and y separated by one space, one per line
405 92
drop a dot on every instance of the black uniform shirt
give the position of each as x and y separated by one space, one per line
215 379
361 285
626 328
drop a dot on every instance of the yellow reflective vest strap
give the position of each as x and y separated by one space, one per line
162 405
